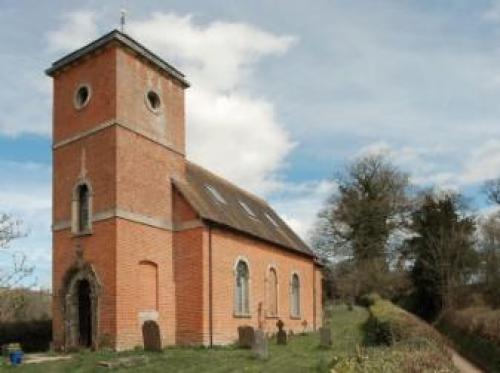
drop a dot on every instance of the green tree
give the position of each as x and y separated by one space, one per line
490 259
370 206
442 252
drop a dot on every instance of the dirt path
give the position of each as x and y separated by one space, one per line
463 365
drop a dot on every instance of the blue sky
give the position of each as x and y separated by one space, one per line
283 93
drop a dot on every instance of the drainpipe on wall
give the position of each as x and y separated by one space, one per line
210 297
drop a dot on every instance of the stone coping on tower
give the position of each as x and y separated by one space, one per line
125 40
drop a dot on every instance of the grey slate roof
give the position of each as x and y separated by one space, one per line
125 40
231 213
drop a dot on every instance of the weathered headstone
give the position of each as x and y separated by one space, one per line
259 346
281 335
151 336
304 326
325 335
246 336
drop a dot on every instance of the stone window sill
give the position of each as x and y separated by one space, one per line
242 315
272 317
295 317
83 233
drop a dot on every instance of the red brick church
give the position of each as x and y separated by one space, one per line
140 234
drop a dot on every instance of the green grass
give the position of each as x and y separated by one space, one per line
302 354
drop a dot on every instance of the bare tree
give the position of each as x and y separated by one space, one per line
359 220
13 275
492 190
370 205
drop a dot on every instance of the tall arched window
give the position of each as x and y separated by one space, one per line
242 304
83 208
272 293
295 295
81 220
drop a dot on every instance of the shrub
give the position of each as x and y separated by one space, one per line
482 321
33 335
476 331
390 324
368 300
415 346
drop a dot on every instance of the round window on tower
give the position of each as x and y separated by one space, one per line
82 96
153 101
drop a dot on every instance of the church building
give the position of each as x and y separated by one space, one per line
141 235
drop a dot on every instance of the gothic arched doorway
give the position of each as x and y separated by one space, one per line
81 300
84 314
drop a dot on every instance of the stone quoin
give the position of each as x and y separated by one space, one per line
143 237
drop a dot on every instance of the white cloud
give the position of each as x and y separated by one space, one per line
228 130
493 12
298 204
218 56
482 164
420 162
77 29
25 193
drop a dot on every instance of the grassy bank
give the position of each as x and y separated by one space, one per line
399 342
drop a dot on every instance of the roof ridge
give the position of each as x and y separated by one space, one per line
225 181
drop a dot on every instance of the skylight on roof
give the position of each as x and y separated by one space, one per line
247 209
215 194
272 220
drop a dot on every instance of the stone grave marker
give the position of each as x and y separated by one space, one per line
246 336
259 346
325 334
151 336
281 335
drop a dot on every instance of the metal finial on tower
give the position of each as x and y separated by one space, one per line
123 13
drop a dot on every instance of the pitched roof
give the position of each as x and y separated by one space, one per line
217 200
124 40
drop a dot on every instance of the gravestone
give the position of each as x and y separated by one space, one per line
259 346
281 336
325 334
151 336
246 336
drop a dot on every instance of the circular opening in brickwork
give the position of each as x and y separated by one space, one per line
153 101
82 96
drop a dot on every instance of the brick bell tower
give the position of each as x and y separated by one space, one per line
118 138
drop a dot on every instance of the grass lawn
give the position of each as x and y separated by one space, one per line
302 354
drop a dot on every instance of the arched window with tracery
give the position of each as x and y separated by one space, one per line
272 293
295 296
241 301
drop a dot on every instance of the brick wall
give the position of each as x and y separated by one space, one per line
138 243
99 251
135 78
227 246
100 73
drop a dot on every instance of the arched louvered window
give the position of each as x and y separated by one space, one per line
295 296
81 220
272 293
83 208
242 303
